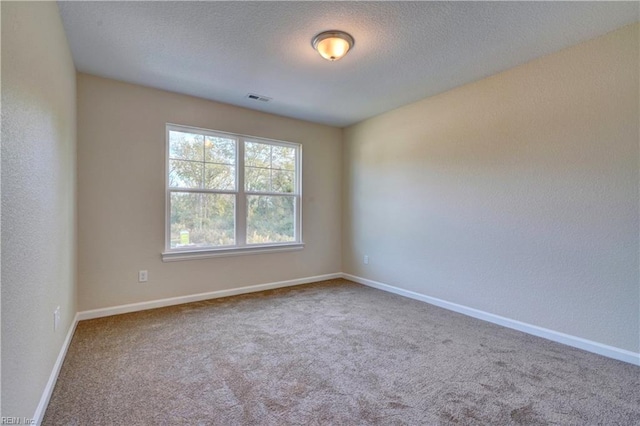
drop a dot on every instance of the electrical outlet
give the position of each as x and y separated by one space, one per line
365 259
56 318
143 276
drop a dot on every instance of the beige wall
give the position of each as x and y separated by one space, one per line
121 196
515 195
38 199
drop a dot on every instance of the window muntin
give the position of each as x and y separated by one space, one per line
201 161
228 191
269 168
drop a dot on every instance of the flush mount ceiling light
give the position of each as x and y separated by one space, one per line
332 45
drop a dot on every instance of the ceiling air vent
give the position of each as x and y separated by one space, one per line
260 98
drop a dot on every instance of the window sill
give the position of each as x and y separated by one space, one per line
178 255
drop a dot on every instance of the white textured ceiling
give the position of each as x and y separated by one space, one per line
404 51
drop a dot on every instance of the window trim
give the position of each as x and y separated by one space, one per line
241 247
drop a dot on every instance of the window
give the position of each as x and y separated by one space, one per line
229 193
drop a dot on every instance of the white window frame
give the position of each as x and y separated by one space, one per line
241 247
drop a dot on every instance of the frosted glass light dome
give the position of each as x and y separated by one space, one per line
332 45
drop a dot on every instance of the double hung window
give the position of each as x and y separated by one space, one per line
230 193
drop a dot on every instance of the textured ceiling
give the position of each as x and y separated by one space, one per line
404 51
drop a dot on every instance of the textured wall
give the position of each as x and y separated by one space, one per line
121 196
38 199
516 195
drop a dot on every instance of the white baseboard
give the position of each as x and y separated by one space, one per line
556 336
142 306
53 377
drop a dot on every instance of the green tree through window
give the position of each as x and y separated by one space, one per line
207 207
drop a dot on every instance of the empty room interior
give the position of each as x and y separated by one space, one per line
337 213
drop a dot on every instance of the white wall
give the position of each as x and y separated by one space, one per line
38 199
121 196
516 195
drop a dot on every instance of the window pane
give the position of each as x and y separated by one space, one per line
283 157
257 154
202 220
257 179
185 174
186 146
282 181
269 168
270 219
220 150
218 176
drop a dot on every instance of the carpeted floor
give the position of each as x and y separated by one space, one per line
330 353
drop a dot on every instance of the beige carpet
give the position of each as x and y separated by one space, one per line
330 353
